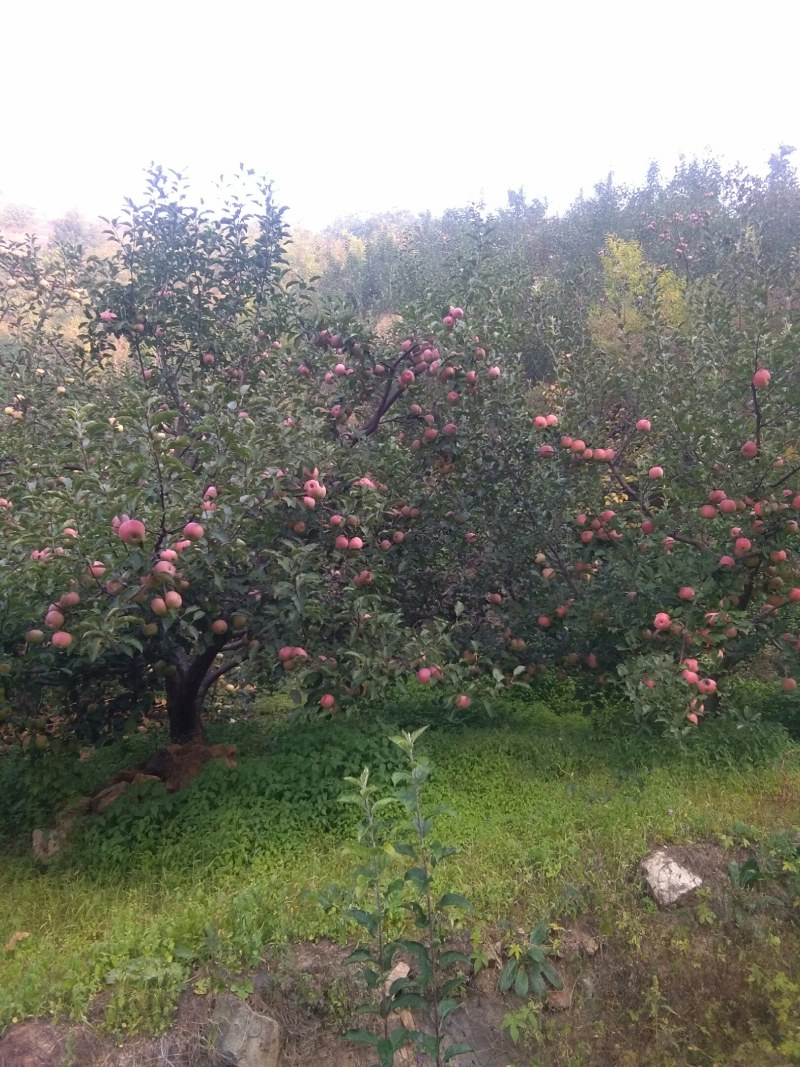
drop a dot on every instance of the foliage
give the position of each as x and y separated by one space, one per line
382 891
528 969
423 507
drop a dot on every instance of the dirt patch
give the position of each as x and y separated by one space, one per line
36 1043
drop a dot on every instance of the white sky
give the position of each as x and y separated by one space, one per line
359 107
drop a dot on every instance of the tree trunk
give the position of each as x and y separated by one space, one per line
186 692
188 685
184 711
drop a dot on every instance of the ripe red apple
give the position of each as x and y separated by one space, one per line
493 372
662 621
61 639
686 592
727 506
708 511
219 626
655 472
327 701
727 561
647 526
158 606
424 676
794 595
761 378
692 717
546 451
463 701
193 531
690 676
544 621
749 449
69 600
54 620
354 544
789 685
643 425
540 422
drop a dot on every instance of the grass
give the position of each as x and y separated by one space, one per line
551 819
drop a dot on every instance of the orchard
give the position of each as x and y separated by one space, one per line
205 474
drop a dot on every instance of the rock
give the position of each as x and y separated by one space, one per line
137 778
16 938
668 881
107 796
245 1038
404 1056
45 844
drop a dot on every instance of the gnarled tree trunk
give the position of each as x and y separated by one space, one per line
186 689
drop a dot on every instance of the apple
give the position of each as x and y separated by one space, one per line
193 531
686 592
662 621
158 606
219 626
424 676
655 473
61 639
132 532
327 701
749 449
643 425
761 378
54 620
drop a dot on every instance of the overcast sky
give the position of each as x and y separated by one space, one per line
360 107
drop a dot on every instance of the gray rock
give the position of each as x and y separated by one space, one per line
668 881
245 1038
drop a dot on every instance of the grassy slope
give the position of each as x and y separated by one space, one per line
551 820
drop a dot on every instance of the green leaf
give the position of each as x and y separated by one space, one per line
508 976
453 900
521 982
461 1048
364 919
363 1037
447 1006
447 959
